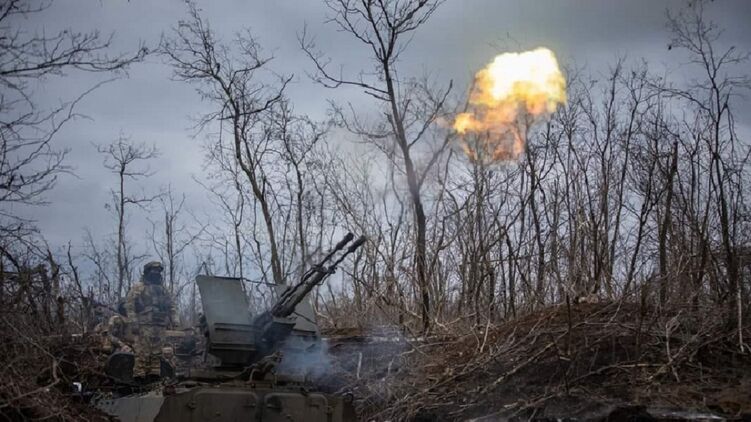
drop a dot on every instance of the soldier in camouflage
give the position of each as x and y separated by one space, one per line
114 335
151 312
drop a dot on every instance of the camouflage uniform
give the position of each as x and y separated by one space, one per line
114 335
151 311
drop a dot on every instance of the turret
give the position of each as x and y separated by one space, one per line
237 340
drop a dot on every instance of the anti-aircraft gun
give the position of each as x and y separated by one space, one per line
238 340
239 378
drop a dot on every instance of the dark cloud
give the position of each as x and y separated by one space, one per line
461 37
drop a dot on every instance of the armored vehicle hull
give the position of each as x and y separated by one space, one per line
227 402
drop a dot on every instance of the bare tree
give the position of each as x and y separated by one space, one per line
724 79
129 161
175 236
232 204
29 161
411 106
299 136
230 79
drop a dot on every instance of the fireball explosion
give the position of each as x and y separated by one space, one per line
510 94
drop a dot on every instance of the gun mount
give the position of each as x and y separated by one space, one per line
236 339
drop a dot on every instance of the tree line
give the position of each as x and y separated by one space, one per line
635 190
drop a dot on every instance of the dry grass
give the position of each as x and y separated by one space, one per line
561 361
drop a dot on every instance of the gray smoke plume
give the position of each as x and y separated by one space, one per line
305 357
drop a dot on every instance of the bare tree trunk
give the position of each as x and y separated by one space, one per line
665 226
121 230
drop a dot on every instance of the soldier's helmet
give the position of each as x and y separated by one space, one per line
152 272
152 265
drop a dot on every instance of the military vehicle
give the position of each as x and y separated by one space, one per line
252 368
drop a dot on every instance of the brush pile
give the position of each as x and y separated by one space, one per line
45 374
584 361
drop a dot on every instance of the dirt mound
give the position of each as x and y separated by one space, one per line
584 361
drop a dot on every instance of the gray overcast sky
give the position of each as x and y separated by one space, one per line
460 38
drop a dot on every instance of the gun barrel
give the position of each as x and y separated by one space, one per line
286 307
295 294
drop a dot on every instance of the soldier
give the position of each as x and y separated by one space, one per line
150 311
114 335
